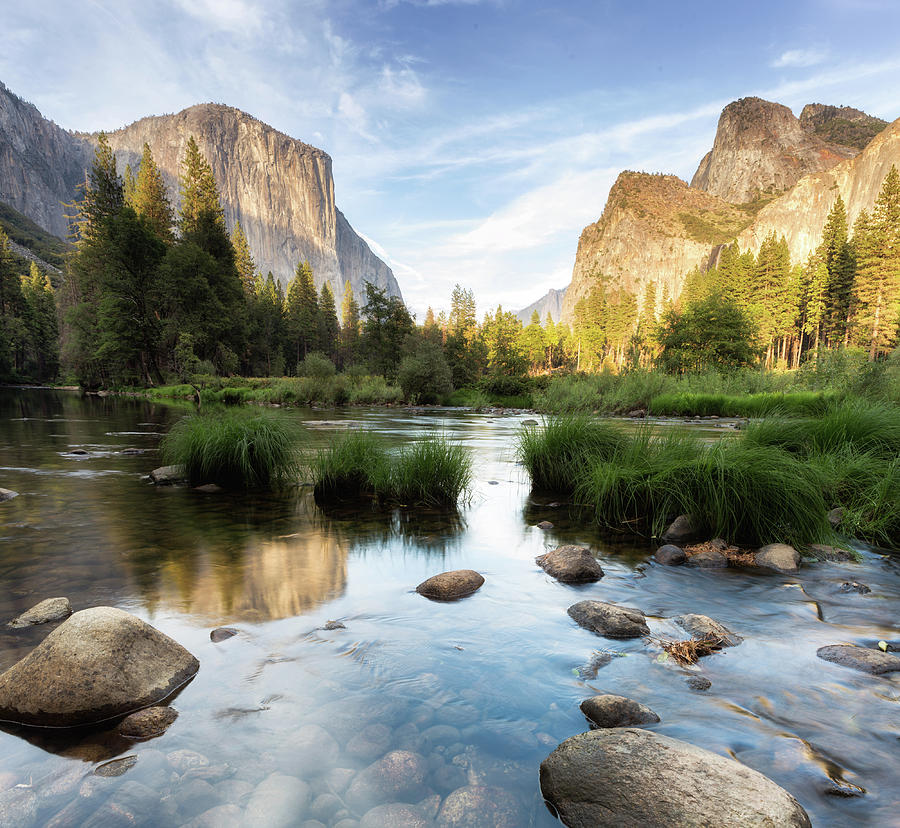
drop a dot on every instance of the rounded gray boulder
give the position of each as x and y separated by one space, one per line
448 586
865 659
50 609
608 710
778 556
628 776
571 565
100 663
609 620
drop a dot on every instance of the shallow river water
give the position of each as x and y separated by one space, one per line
281 717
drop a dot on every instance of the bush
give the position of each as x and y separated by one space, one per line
234 450
425 376
503 385
316 364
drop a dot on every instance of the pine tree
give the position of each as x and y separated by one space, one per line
128 186
12 328
199 193
551 337
301 311
41 325
349 324
150 198
103 194
329 330
815 298
835 252
243 259
532 342
462 310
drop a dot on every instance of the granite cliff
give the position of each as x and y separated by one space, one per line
280 189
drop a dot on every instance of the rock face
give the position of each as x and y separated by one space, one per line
761 147
280 189
842 125
571 565
865 659
643 778
609 620
448 586
100 663
778 556
616 711
50 609
551 302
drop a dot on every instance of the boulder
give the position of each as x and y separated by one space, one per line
616 711
396 777
670 555
475 805
708 559
701 626
571 565
147 723
394 815
50 609
860 658
778 556
680 530
610 620
628 776
168 475
7 494
448 586
100 663
222 816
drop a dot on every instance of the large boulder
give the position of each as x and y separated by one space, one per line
610 620
571 564
866 659
50 609
680 530
702 626
100 663
608 710
778 556
628 776
448 586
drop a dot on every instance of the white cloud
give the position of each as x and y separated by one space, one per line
799 58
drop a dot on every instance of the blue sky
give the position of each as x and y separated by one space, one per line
472 139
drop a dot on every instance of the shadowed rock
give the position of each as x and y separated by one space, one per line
670 555
860 658
680 530
616 711
448 586
168 475
628 776
220 634
100 663
571 565
701 626
708 559
50 609
609 620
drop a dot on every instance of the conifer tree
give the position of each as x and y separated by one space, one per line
128 185
551 337
41 325
349 324
835 252
199 193
12 329
533 343
243 258
329 330
150 198
301 311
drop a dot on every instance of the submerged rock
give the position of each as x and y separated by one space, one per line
854 586
209 488
448 586
609 620
394 815
680 530
701 626
396 777
7 494
278 801
642 778
481 805
778 556
616 711
100 663
147 723
700 683
860 658
670 555
571 564
50 609
545 525
220 634
168 475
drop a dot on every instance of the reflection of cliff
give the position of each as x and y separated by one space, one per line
271 579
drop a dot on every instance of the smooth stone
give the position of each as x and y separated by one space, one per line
700 626
278 801
865 659
475 805
370 743
836 516
314 748
610 620
184 760
699 683
708 559
78 452
448 586
147 723
394 815
99 664
221 816
396 777
545 525
7 494
209 488
680 530
778 556
334 625
116 767
823 552
670 555
854 586
50 609
196 796
168 475
616 711
338 779
529 422
628 776
325 806
132 803
571 564
346 823
220 634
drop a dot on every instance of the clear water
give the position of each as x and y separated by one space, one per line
483 688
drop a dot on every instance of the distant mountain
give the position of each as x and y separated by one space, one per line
550 302
280 189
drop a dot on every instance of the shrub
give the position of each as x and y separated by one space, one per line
425 376
316 364
232 449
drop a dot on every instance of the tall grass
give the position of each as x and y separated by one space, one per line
433 471
687 404
235 450
555 453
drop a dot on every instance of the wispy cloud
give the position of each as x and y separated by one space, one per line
799 58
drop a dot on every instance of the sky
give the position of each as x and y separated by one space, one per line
472 140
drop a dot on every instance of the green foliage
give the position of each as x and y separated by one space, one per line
798 403
150 199
233 449
199 192
23 231
424 375
385 330
317 365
